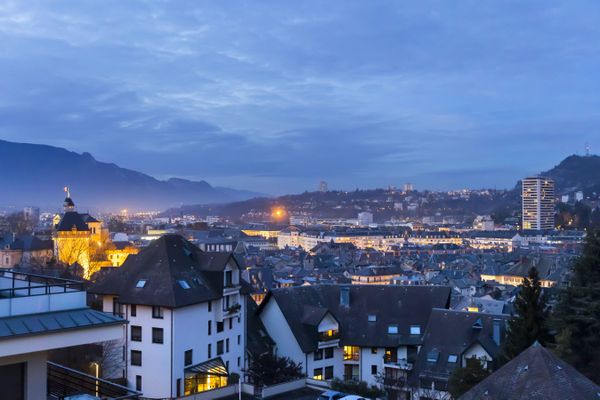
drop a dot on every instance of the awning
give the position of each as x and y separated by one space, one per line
214 367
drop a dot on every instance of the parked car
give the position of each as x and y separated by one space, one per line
332 395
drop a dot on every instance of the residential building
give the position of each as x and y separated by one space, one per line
453 339
39 314
24 250
359 332
537 196
186 314
365 218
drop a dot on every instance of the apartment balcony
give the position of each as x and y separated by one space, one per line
328 340
399 363
232 311
231 288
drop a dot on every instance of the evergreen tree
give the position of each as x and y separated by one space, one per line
530 322
577 314
463 379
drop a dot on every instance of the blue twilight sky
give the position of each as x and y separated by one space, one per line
278 95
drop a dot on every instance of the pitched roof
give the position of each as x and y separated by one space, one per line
451 332
162 265
49 322
535 374
70 220
392 305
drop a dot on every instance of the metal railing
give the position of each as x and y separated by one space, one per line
64 382
27 284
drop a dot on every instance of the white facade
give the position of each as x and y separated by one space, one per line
537 203
184 329
365 218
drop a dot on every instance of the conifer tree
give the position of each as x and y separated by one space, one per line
530 322
577 315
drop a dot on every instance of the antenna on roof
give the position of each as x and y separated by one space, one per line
587 149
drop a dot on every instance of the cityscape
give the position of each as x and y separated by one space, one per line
265 231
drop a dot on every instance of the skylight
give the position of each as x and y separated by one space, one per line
141 283
184 284
452 358
372 318
432 356
393 329
415 330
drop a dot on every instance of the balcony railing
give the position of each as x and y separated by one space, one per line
325 337
401 363
64 382
19 284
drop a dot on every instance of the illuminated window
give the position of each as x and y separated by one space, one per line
415 330
140 284
372 318
351 353
318 374
393 329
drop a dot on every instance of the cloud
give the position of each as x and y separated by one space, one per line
276 96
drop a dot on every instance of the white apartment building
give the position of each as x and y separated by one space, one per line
365 218
362 332
537 201
39 314
186 314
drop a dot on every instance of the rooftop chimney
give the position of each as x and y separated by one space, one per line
496 331
345 296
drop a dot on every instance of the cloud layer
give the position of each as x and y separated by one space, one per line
276 96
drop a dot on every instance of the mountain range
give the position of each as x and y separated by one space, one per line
35 174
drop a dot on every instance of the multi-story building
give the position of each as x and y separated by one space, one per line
537 197
352 332
186 314
365 218
39 314
24 249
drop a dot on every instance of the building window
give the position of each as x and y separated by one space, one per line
228 278
219 347
239 339
238 361
209 350
372 318
133 310
415 330
227 345
230 323
328 352
210 306
452 358
188 357
136 333
393 329
209 327
117 307
157 335
318 374
373 369
220 326
318 355
140 284
329 372
138 383
136 358
373 350
351 353
157 312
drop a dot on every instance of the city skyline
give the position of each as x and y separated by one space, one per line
275 98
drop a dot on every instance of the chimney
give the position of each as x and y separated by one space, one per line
345 296
496 331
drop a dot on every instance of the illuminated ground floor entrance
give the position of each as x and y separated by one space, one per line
211 374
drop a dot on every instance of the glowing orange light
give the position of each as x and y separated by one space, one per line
278 212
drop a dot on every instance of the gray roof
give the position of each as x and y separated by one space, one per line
393 305
31 324
535 374
451 332
162 264
72 219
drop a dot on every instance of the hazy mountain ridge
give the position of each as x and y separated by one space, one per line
35 174
576 173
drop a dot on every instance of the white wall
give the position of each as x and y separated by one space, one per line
35 373
277 327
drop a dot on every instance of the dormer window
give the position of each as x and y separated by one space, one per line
228 278
432 356
140 284
452 358
392 329
415 330
183 284
372 318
